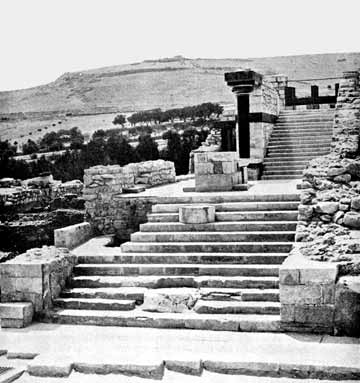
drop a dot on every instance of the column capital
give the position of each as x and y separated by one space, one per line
243 82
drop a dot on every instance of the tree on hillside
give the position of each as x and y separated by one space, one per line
76 138
30 147
120 151
51 142
120 119
147 148
173 150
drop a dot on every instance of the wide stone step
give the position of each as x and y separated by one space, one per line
284 167
94 304
219 226
229 307
218 198
183 247
290 146
281 215
290 133
157 282
280 156
206 293
314 152
184 258
286 161
304 139
281 177
110 293
232 206
305 122
175 270
283 172
137 318
245 295
213 236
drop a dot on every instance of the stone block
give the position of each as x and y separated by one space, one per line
72 236
196 214
301 294
16 314
13 270
200 157
222 156
215 182
169 300
321 314
289 276
318 272
287 312
229 167
204 168
189 367
31 285
347 306
352 220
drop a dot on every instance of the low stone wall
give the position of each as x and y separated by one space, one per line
36 276
72 236
108 209
38 192
314 299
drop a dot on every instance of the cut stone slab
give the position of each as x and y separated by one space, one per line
148 370
51 366
197 214
16 314
189 367
170 300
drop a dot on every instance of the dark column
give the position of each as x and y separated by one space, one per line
244 125
314 93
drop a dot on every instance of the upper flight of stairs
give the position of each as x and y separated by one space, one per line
231 266
298 137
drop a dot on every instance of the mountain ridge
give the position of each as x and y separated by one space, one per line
164 83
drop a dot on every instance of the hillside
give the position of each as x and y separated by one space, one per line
90 99
163 83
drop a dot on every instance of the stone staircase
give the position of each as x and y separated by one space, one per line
221 275
298 137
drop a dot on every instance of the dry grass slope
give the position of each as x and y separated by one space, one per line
162 83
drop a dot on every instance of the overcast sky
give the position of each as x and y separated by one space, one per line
41 39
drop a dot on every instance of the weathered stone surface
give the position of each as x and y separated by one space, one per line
355 203
197 214
327 207
189 367
305 212
347 306
72 236
352 220
170 300
16 314
36 276
108 210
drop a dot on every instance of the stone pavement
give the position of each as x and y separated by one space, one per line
152 353
256 187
